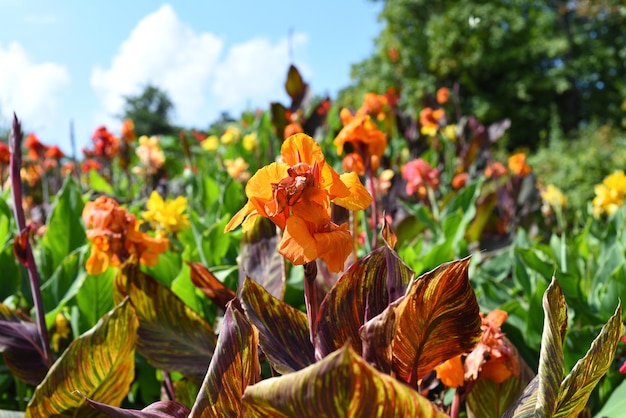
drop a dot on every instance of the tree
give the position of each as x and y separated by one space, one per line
150 111
532 61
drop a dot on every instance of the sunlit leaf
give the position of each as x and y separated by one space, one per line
21 347
260 259
577 386
95 298
172 336
436 320
551 359
363 292
388 235
377 335
283 330
160 409
234 366
99 364
340 385
210 285
295 86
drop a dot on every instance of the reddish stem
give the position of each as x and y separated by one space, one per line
18 210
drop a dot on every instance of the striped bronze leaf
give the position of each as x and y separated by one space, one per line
234 366
438 319
99 364
283 330
160 409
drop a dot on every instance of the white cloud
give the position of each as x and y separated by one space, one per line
31 90
189 66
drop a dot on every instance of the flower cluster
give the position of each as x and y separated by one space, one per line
116 238
166 215
296 194
610 194
150 155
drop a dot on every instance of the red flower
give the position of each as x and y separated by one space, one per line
54 152
419 174
5 153
105 143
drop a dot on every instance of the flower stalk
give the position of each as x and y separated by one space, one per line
15 141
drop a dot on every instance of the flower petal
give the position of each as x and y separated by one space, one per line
260 185
359 198
97 262
239 217
451 372
301 148
297 245
334 247
331 181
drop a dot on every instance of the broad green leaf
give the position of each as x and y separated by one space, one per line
99 364
167 268
260 259
98 183
172 336
361 293
551 359
160 409
438 319
616 404
234 366
283 330
489 399
340 385
65 231
95 298
11 272
6 222
184 288
20 346
577 386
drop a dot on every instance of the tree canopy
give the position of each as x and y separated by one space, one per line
151 111
533 61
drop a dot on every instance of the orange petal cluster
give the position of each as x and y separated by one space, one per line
105 144
128 130
116 238
518 164
362 132
296 194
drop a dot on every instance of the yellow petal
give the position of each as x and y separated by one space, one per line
97 262
331 181
359 198
334 247
301 148
239 217
297 245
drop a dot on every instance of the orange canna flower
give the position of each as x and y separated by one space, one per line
353 162
518 165
418 174
5 153
128 130
443 94
362 132
375 105
495 170
459 180
105 144
54 152
451 372
89 165
292 129
116 238
296 195
35 148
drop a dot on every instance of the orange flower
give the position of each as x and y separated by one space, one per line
89 165
296 196
495 170
116 237
353 162
375 105
54 152
362 132
419 174
451 372
459 180
128 130
292 129
5 153
35 148
518 165
237 169
430 119
105 144
443 94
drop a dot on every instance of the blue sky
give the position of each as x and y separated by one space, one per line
74 60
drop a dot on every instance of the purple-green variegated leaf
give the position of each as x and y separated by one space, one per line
551 358
438 319
377 336
340 385
260 259
489 399
20 346
234 366
578 384
363 292
99 364
172 336
160 409
283 330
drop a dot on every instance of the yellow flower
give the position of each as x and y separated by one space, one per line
150 153
232 134
296 195
250 141
450 132
210 143
610 194
168 215
553 196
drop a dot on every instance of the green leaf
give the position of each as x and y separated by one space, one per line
6 222
99 183
11 272
438 319
65 231
95 298
283 330
260 259
99 364
577 386
234 366
340 385
361 293
172 336
616 404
